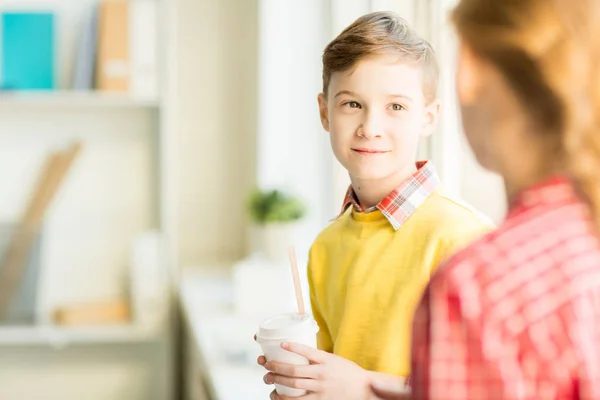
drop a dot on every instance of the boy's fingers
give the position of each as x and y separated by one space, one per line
255 337
386 391
275 396
261 360
309 396
296 383
311 353
294 371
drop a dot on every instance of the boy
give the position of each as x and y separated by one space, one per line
368 268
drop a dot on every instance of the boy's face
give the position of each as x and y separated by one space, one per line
376 114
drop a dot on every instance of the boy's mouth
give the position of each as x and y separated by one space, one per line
368 152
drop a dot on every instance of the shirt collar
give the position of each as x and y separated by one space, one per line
402 202
553 191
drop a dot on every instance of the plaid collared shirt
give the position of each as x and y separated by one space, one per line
516 315
399 205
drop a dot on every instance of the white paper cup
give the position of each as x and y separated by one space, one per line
290 327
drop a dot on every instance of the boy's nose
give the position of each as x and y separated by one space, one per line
371 128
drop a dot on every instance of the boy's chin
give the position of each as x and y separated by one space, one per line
369 175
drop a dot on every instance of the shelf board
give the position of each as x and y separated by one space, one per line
74 99
57 336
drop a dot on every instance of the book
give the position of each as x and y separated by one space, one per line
143 26
113 69
28 51
85 64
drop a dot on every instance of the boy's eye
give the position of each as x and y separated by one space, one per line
352 104
397 107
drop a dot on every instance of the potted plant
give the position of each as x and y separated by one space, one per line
275 216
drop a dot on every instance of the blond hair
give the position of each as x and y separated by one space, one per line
380 33
548 52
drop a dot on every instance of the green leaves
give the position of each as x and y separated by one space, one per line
274 206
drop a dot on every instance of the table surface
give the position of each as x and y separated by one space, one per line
222 340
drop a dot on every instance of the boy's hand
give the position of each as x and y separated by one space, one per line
387 390
327 377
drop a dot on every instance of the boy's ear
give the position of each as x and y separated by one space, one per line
323 111
432 113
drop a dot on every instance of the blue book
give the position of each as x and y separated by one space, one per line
86 53
27 51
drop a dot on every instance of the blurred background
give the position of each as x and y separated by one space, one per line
157 158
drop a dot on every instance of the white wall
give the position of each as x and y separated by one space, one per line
217 106
293 149
481 188
248 116
458 168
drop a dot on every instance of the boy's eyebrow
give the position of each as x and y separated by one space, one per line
341 92
349 93
403 96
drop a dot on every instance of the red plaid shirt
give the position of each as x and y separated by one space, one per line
399 205
516 315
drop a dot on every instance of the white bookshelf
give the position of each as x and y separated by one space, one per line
68 98
59 337
120 187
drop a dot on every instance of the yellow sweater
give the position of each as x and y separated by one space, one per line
366 279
